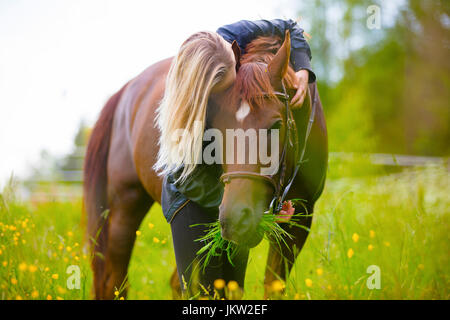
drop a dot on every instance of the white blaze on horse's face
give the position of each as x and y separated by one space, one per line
243 111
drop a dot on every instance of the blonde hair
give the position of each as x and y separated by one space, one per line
202 62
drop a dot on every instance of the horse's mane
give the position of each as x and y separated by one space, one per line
252 80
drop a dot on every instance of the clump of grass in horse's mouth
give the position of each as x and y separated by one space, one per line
269 227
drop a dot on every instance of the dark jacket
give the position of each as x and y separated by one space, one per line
245 31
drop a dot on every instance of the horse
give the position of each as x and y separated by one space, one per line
120 184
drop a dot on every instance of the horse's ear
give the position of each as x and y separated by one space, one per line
237 54
279 65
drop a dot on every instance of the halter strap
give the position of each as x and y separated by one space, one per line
226 177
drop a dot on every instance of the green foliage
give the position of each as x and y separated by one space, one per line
383 90
400 221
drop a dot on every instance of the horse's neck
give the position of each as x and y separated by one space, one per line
301 115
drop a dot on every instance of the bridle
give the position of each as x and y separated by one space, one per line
280 188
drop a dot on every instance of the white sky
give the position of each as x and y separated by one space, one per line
60 60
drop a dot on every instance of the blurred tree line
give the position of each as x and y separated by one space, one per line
385 89
67 168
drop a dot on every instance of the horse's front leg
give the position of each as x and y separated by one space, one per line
281 257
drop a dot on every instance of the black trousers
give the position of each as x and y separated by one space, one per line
190 271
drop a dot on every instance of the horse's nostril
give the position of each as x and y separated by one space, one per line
247 213
246 217
237 224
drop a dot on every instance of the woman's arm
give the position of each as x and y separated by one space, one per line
245 31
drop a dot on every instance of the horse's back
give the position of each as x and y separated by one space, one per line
134 142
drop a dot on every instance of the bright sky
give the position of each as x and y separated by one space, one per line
60 60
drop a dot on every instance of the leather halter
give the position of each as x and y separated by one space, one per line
290 132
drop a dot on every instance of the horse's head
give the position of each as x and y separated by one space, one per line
252 118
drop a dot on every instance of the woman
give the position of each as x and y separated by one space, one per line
192 193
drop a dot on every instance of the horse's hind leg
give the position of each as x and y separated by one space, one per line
128 207
281 258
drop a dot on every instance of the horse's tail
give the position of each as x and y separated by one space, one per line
95 203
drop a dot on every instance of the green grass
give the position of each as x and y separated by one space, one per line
398 222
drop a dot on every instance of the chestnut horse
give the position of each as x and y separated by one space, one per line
120 184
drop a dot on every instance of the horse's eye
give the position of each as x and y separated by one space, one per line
276 125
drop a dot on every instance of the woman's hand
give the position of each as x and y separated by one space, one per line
302 86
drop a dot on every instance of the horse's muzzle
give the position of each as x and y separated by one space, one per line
240 227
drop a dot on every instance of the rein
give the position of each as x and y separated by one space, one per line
280 193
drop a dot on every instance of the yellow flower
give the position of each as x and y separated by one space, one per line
61 290
155 240
14 281
350 253
5 263
219 284
69 233
372 234
55 276
297 296
116 293
1 252
151 225
32 268
60 247
23 266
319 271
121 298
18 298
370 247
59 298
46 269
163 241
138 233
68 249
329 287
233 285
387 243
355 237
49 297
277 286
34 294
308 282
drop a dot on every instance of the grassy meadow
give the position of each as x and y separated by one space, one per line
397 221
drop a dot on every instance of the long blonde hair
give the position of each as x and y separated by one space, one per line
202 62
